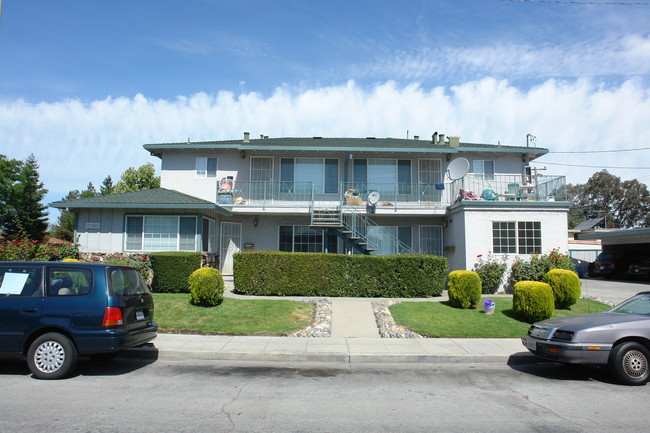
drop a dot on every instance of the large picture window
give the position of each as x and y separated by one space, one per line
523 237
322 173
160 233
386 176
306 240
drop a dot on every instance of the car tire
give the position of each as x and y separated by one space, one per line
628 363
52 356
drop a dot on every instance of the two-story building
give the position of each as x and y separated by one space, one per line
339 195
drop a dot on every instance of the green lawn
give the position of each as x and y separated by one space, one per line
175 314
438 319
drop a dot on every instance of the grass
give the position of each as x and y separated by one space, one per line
439 319
175 314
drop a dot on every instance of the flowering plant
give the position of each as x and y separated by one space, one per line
29 250
491 271
536 268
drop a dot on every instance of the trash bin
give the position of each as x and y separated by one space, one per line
488 306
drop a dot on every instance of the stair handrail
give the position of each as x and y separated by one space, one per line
357 223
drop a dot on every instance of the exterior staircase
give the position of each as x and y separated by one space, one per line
352 228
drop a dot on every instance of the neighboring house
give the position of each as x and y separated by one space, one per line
343 195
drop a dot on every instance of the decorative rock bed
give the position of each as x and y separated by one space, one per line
386 324
322 324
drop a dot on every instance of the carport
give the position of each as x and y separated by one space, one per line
629 245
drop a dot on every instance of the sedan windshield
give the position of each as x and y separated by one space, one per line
639 304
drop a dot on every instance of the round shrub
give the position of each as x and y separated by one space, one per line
464 289
532 301
206 287
565 285
71 260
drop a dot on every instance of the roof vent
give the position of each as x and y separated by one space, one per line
416 137
317 138
247 137
454 141
370 138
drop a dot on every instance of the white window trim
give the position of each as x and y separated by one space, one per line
250 173
204 175
178 235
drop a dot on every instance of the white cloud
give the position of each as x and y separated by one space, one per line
76 143
625 56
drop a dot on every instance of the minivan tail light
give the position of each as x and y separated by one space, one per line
112 317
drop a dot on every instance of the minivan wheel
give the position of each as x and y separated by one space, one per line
51 356
628 363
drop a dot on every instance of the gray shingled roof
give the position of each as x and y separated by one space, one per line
369 144
158 198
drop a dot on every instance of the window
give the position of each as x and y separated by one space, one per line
127 282
20 281
389 239
208 235
523 237
206 167
484 169
66 282
306 240
382 175
323 174
160 233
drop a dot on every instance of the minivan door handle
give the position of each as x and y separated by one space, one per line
30 310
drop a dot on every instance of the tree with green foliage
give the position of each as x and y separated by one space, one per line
623 204
23 214
107 186
144 177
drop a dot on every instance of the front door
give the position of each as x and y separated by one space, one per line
230 244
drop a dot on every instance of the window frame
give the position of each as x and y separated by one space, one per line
203 169
128 246
325 186
521 237
478 168
324 239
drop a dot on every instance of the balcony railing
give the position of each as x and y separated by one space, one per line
499 187
508 187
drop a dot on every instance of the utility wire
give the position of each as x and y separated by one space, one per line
606 151
582 2
590 166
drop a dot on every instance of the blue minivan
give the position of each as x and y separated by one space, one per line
52 312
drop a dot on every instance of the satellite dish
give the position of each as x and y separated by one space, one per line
373 197
458 168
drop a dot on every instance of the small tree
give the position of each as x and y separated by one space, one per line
144 177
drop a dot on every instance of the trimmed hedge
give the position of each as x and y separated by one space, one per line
206 287
322 274
464 289
171 270
566 287
533 301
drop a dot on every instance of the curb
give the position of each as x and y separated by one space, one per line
334 357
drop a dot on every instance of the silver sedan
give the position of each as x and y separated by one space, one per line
618 337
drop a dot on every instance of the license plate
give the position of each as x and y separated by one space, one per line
139 315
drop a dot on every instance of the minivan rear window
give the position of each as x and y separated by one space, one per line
126 282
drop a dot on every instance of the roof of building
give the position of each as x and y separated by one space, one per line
368 144
158 198
589 224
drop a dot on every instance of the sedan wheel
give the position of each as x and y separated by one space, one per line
628 363
51 356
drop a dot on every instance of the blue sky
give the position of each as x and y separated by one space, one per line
83 84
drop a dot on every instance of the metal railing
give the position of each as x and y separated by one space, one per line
498 187
267 193
379 239
508 187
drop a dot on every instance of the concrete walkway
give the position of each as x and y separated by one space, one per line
353 318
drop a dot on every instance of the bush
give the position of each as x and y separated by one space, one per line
172 270
321 274
491 273
28 250
536 268
464 289
206 287
532 301
565 285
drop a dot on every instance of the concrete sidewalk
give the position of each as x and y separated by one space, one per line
336 350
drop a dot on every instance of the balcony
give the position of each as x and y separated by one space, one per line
499 187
